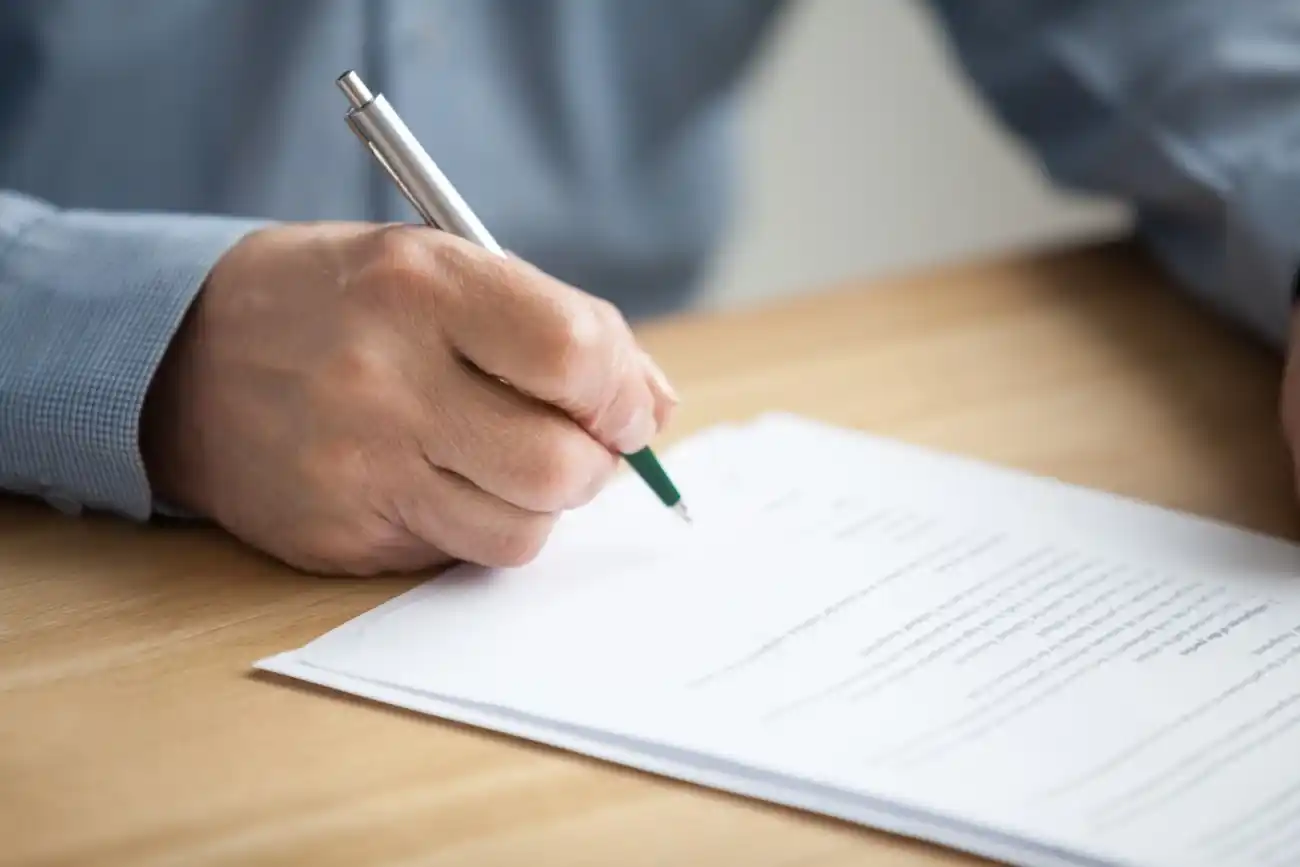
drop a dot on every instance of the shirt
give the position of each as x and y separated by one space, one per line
139 140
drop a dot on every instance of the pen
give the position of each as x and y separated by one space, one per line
438 203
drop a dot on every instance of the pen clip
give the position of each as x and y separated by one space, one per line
356 128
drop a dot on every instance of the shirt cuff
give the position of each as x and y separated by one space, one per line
90 303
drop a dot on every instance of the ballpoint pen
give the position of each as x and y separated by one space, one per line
438 203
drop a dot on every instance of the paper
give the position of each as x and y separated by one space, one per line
1001 664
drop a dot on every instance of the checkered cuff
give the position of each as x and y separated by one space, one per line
88 304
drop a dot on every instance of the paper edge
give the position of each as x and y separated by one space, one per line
1012 474
959 836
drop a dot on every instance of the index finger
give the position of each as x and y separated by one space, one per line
553 342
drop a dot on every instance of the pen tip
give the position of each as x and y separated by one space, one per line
680 509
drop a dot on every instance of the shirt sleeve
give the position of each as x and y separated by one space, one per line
89 302
1188 110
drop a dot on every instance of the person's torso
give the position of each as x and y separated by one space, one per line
590 136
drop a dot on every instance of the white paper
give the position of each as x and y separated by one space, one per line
1002 664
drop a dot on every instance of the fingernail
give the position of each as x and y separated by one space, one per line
661 382
636 434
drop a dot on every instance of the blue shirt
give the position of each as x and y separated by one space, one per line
139 140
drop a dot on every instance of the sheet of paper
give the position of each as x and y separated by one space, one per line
1002 664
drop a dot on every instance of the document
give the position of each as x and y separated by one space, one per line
998 663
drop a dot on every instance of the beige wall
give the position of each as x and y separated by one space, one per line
866 153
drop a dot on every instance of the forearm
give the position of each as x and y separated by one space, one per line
1189 111
89 302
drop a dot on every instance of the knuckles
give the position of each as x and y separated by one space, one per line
343 552
414 262
398 256
362 550
560 466
564 470
575 342
402 271
520 546
575 337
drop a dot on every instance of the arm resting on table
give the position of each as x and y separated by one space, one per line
89 302
1189 110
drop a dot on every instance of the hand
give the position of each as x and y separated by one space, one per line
331 399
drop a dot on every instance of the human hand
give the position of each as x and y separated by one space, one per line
317 402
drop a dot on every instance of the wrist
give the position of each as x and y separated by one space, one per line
165 437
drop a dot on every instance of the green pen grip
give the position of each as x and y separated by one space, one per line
647 467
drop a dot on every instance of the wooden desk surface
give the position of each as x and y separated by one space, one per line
131 731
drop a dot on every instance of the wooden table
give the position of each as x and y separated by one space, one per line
132 733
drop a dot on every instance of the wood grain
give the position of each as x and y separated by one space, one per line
131 731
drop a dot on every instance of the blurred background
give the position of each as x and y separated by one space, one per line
866 153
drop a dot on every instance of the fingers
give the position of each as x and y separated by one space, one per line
553 342
513 447
456 517
666 399
341 430
361 547
415 425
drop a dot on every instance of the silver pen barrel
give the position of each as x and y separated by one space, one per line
429 191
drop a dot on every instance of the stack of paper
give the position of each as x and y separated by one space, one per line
1002 664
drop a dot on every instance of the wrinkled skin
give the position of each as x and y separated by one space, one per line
335 399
